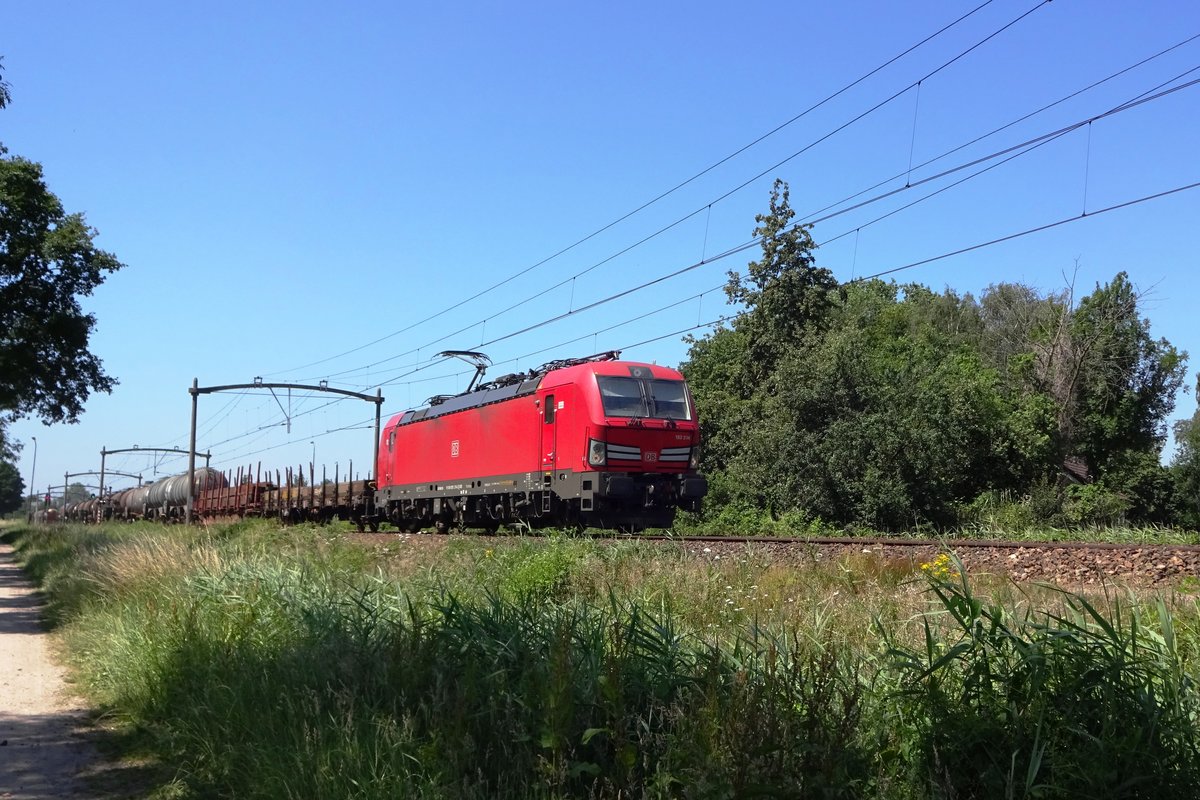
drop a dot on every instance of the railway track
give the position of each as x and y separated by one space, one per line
911 543
1068 564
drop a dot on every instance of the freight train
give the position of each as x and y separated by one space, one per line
593 442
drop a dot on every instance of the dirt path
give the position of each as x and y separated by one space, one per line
43 752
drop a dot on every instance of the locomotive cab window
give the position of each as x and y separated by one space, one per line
637 397
622 397
549 409
669 399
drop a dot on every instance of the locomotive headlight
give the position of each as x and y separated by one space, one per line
597 453
694 458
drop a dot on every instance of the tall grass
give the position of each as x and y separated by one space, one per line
269 665
1075 702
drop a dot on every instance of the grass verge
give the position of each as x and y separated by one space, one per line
258 663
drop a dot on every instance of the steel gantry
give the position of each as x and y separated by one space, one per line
99 489
67 477
105 453
196 390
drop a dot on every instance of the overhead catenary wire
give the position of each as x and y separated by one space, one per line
1029 231
642 316
811 216
1011 152
693 213
1043 108
689 180
756 241
882 273
965 250
361 425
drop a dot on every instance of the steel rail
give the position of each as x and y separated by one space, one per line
1004 544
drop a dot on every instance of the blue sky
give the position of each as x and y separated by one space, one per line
295 184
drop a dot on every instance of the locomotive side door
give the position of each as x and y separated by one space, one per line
549 432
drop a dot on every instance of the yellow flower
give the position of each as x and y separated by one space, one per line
941 568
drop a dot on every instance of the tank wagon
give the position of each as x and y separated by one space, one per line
128 504
46 516
82 511
590 442
163 500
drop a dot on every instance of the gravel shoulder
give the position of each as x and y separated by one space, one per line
44 747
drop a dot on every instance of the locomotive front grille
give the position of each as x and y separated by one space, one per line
678 455
623 452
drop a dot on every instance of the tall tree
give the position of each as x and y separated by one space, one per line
5 93
786 295
12 488
1186 466
1126 381
48 260
75 493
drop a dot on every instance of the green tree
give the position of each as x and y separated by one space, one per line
1112 386
12 488
786 295
865 403
76 493
5 93
890 420
1126 380
1185 467
888 406
48 260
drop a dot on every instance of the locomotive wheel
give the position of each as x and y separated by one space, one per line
374 526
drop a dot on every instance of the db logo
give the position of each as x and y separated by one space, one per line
454 449
650 456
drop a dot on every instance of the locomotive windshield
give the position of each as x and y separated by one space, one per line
637 397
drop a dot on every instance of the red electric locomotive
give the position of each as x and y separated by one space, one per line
590 442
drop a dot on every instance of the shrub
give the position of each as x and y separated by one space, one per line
1093 504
